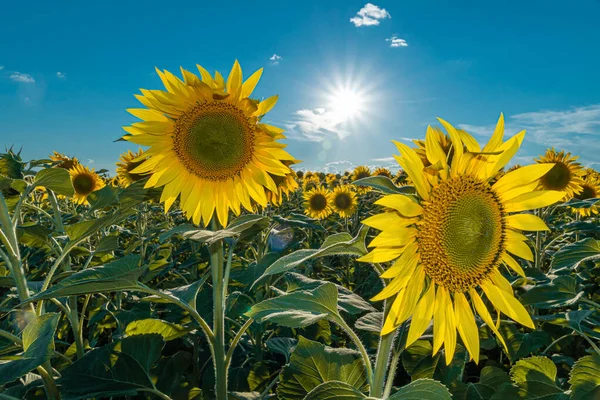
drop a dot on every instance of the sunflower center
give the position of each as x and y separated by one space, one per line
587 193
362 174
557 178
342 201
83 184
461 237
214 141
318 202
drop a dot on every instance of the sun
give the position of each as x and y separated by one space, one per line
346 104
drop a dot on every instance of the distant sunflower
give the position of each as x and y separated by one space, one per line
317 203
449 239
332 180
65 162
566 175
207 145
591 190
344 201
310 182
300 174
309 174
285 185
381 171
84 182
129 161
361 172
400 177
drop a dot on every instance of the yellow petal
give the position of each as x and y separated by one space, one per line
397 284
533 200
517 191
412 164
439 318
513 264
250 84
413 293
526 222
509 149
409 256
403 204
206 76
422 316
390 321
465 323
496 139
522 176
266 105
433 148
500 281
457 146
450 334
507 304
394 237
520 249
387 219
381 254
485 315
234 80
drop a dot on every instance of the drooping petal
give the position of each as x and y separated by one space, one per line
421 316
465 323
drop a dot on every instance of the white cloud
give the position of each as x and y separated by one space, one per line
90 161
369 15
275 58
61 75
384 160
395 41
1 67
316 125
23 78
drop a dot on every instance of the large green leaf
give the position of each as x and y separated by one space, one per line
418 360
335 390
562 291
574 254
167 330
56 179
339 243
300 308
422 389
121 274
186 294
585 378
536 379
83 229
241 226
384 184
522 345
38 346
312 364
118 369
490 381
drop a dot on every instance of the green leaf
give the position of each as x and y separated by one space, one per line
250 224
56 179
282 345
451 374
312 364
490 380
121 274
371 322
105 197
186 294
418 360
38 346
562 291
167 330
384 184
521 345
107 244
117 369
340 243
84 229
335 390
585 378
422 389
574 254
535 377
300 308
172 372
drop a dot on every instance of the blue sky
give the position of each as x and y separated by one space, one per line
69 69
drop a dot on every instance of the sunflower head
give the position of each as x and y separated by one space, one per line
344 201
309 174
361 172
129 161
300 174
317 203
332 180
285 185
591 190
85 182
566 175
310 182
448 240
207 144
381 171
64 161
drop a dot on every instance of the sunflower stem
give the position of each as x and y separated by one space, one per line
216 259
383 358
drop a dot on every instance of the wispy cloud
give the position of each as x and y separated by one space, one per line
395 41
316 125
61 75
576 129
1 67
384 160
20 77
369 15
275 58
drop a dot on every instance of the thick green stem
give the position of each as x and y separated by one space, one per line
383 357
392 374
216 259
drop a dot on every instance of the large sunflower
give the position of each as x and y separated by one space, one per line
129 161
317 203
566 175
207 145
64 161
85 181
449 239
591 190
343 200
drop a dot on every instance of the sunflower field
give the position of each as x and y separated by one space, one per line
213 266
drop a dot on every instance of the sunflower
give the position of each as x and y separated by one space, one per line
591 190
317 203
207 145
332 180
343 200
64 161
381 171
449 239
310 182
566 175
285 185
361 172
84 182
300 174
129 161
400 178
